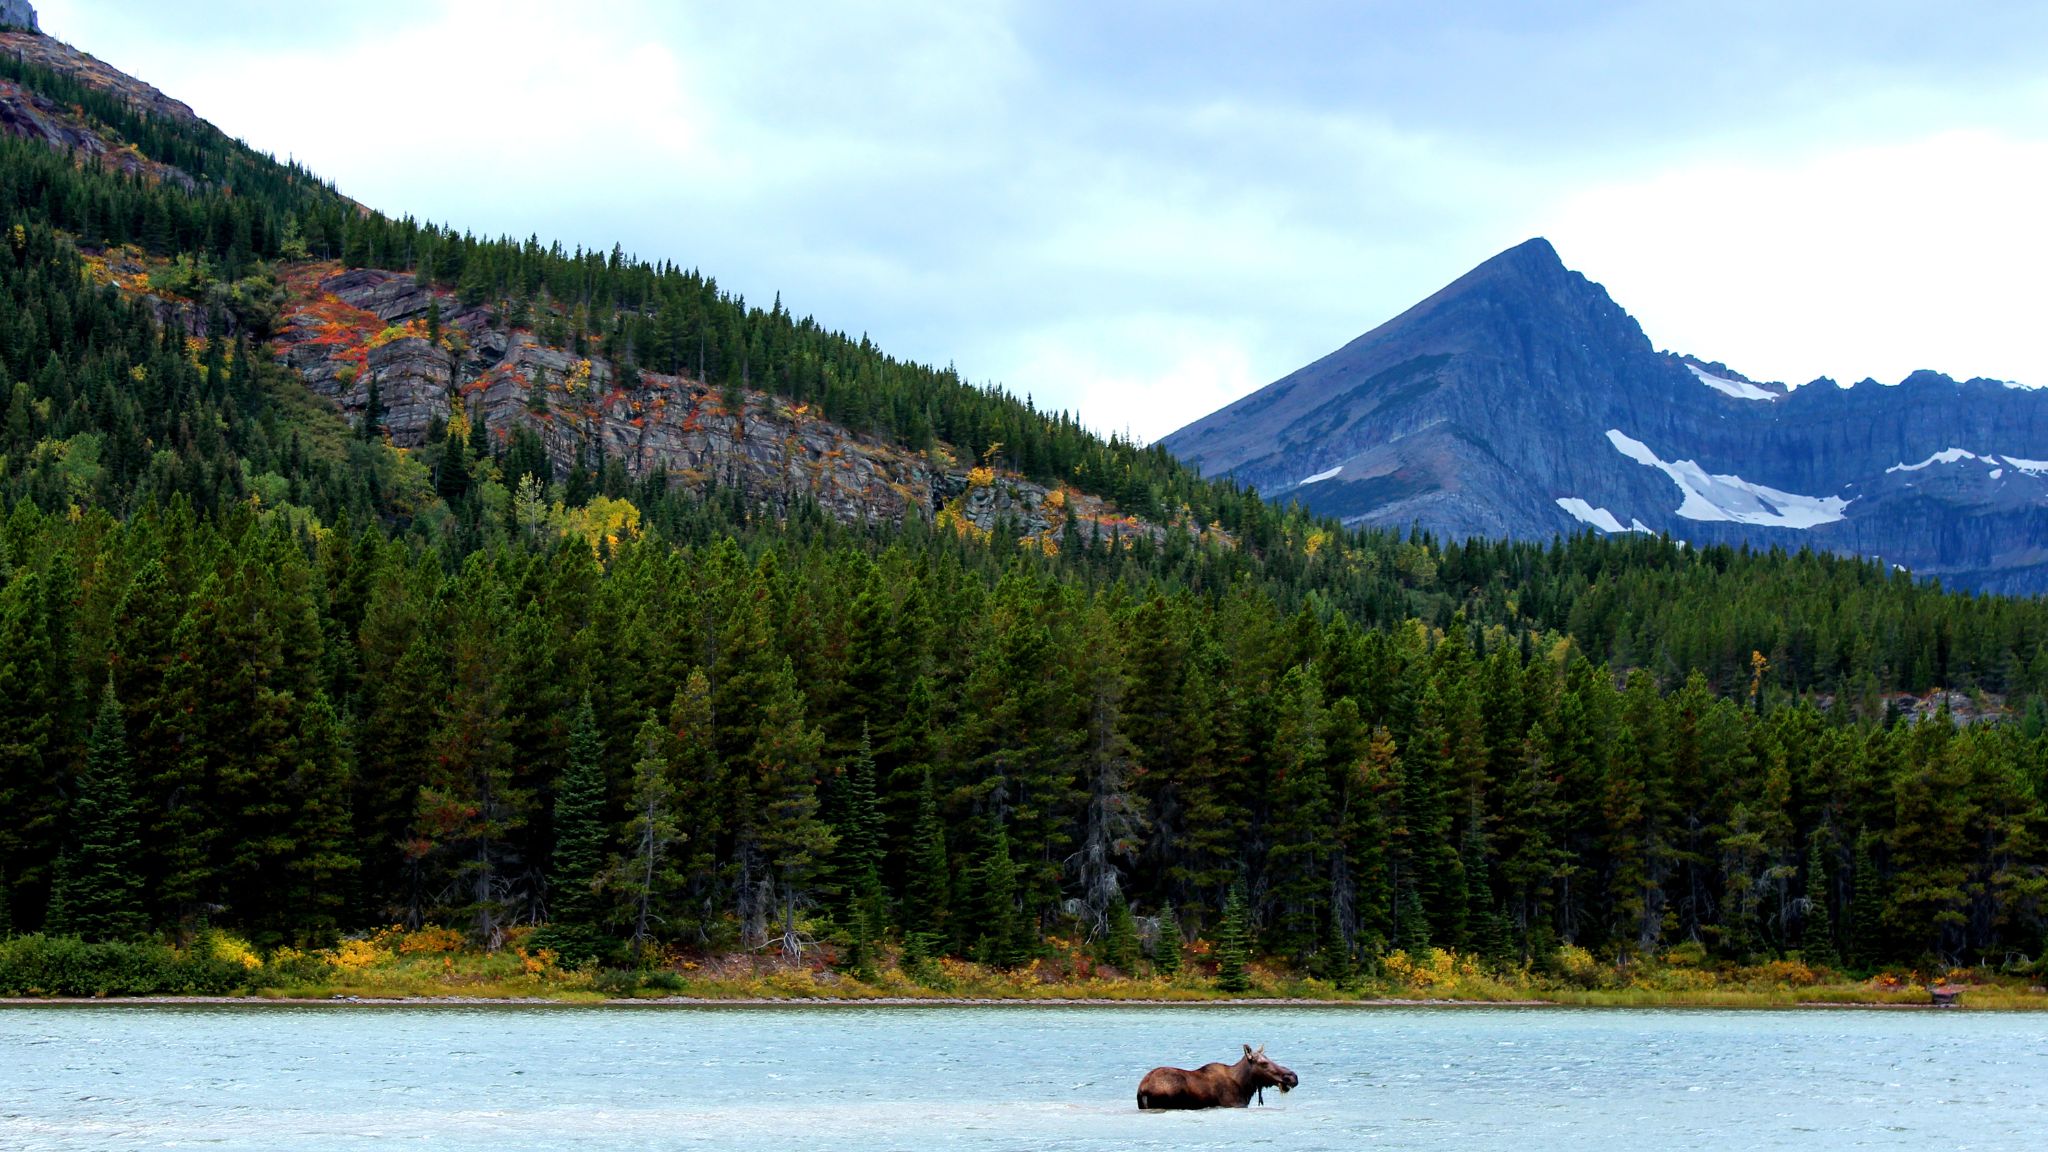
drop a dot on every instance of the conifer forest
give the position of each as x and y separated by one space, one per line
262 670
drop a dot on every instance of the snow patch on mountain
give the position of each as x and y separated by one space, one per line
1945 456
1600 518
1731 498
1740 389
1319 477
1998 464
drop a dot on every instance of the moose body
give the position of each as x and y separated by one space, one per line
1214 1085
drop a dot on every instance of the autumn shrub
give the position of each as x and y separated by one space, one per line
1790 973
432 939
1574 965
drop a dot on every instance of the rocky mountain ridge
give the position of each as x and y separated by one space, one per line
1522 401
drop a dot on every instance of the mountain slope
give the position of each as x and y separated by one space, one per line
1522 401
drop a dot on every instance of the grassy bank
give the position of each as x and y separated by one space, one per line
436 963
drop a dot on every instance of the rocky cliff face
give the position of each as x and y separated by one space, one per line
1522 401
18 14
26 114
347 330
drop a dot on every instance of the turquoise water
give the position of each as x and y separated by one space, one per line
502 1078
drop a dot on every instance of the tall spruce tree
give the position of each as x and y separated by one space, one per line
1817 936
1120 940
1866 909
1166 949
646 875
1000 931
97 891
582 845
1233 942
929 884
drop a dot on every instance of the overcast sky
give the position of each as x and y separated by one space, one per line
1144 210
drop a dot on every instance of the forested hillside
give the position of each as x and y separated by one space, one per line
263 668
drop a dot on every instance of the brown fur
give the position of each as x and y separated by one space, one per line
1214 1085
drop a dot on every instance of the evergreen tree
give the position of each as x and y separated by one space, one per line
1001 939
1866 909
1167 948
1301 824
646 876
1817 939
1120 942
1411 924
1233 942
576 921
926 889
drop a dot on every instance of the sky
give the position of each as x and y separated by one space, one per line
1140 211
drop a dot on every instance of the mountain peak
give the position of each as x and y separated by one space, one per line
18 14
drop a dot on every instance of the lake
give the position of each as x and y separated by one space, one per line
1011 1077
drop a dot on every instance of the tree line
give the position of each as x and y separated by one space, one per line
769 738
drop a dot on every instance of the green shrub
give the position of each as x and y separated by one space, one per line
67 966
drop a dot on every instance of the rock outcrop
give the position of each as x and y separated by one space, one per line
347 331
1522 401
18 14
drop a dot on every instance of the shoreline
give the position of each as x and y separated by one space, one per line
931 1002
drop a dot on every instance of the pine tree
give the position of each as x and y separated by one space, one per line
1120 942
576 920
1301 823
371 423
1411 924
27 739
1001 941
930 882
1233 942
646 876
1866 909
792 842
1166 949
865 910
96 894
1817 939
1336 959
859 827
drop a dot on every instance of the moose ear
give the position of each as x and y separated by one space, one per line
1262 1049
1247 1049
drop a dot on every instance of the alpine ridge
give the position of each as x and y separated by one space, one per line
1521 401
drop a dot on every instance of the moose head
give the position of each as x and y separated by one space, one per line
1264 1073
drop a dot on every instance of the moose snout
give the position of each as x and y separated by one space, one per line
1288 1080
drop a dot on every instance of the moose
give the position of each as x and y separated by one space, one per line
1215 1085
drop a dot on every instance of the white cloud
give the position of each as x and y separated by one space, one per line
1141 375
1862 262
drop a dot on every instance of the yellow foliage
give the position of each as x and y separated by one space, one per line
953 517
1788 972
411 330
1438 968
579 377
981 476
430 939
1315 541
1576 962
233 949
604 518
357 954
1057 498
